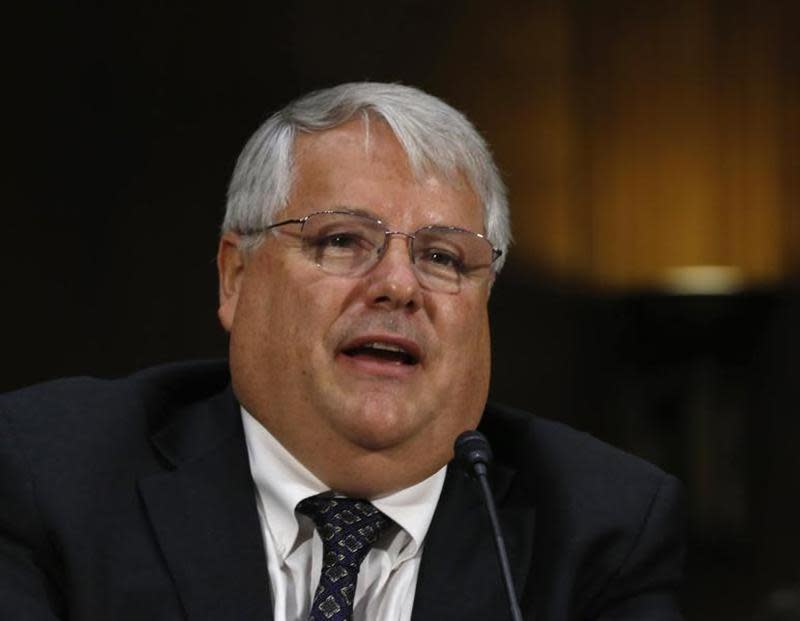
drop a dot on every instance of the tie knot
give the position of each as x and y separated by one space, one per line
348 527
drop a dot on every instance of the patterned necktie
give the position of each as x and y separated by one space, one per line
348 528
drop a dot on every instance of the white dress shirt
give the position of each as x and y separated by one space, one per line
388 577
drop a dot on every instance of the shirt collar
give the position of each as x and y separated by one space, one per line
282 481
412 508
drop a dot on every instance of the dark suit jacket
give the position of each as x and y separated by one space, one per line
132 499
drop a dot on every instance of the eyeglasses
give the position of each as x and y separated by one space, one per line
344 243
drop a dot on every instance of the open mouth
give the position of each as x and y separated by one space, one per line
382 352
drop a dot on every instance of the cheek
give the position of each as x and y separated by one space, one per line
299 316
288 320
466 343
466 370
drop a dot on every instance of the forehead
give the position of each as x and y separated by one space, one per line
361 165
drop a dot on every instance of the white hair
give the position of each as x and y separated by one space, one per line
436 138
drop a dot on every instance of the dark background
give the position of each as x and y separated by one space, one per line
125 124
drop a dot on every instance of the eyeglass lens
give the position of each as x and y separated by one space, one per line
350 244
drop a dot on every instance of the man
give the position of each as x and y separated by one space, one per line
365 226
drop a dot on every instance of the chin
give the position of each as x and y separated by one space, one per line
379 426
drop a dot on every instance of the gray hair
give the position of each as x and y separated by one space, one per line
437 139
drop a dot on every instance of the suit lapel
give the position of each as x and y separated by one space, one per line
459 576
203 512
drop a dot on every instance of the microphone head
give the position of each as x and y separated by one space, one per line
472 448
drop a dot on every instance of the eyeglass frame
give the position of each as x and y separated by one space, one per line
387 233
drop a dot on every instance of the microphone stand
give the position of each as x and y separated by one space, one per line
473 451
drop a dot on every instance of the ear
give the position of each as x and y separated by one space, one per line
230 266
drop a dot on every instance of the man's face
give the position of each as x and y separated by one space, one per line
363 423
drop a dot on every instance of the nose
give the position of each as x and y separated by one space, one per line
393 282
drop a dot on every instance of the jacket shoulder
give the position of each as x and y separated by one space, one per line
75 403
555 453
609 523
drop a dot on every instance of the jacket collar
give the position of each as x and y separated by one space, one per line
459 576
203 512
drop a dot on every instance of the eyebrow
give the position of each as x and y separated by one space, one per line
357 211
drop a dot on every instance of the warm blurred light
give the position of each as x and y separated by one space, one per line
703 280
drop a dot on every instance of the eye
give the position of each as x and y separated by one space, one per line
442 260
340 240
341 243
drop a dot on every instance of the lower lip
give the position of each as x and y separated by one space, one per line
377 368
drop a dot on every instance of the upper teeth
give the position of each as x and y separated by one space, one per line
385 347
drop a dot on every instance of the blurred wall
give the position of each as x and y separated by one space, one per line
639 137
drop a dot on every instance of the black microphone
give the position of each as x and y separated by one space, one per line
474 454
